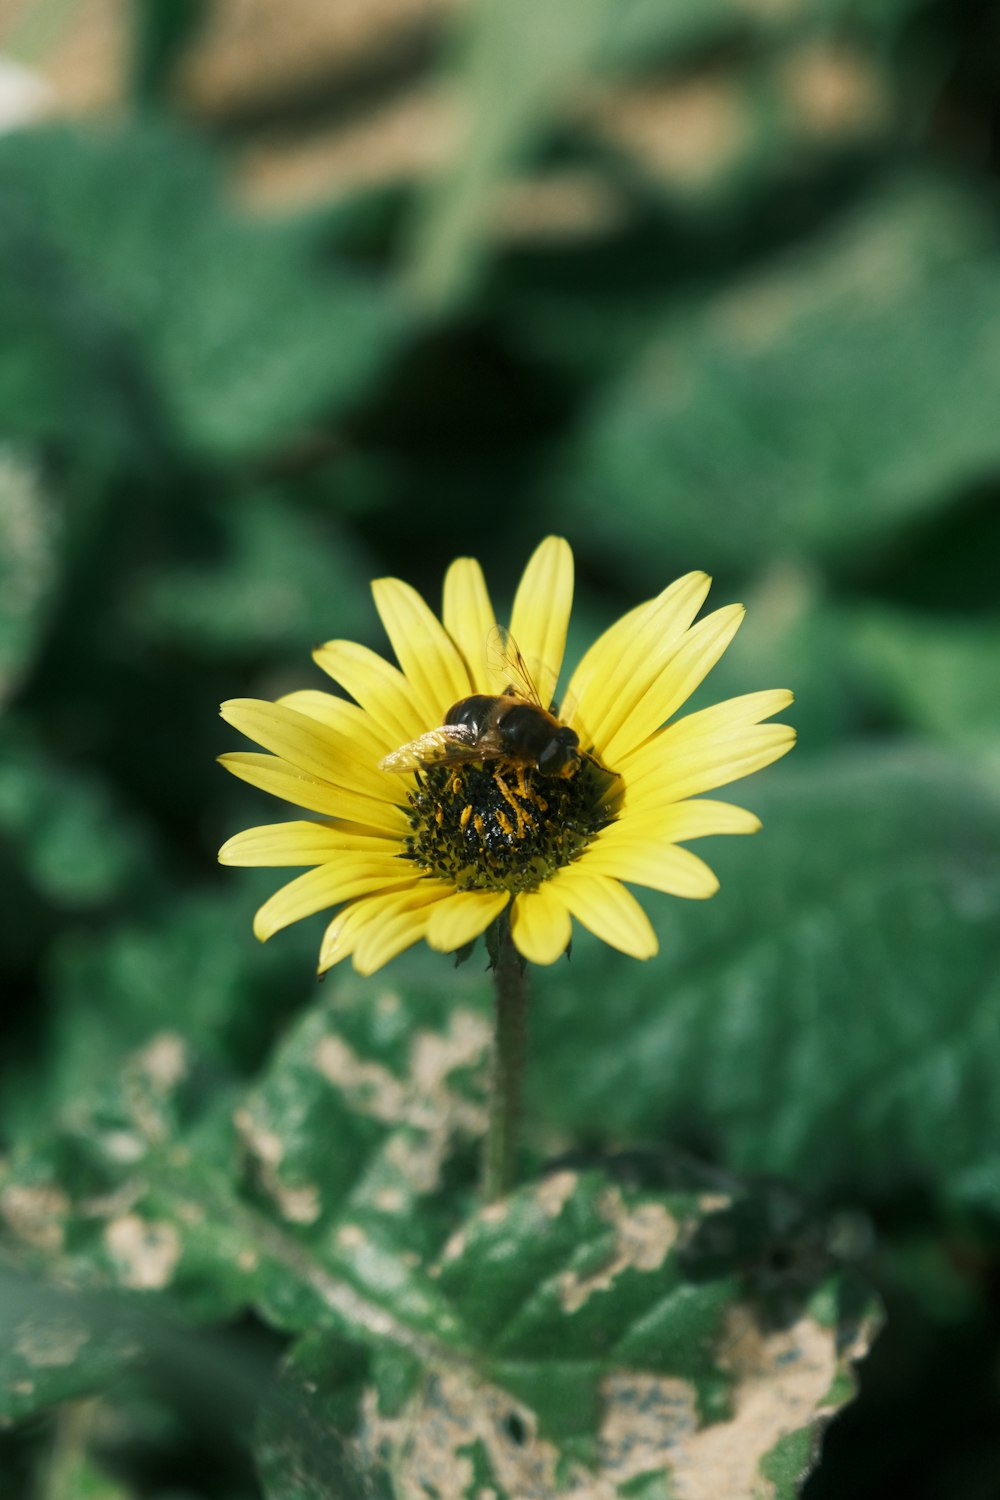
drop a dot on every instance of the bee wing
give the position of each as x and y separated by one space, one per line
505 662
447 745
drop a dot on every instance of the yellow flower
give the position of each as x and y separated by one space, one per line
438 853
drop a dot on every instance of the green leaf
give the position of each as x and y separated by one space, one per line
517 63
54 1346
62 1343
815 408
303 1448
362 1135
647 30
76 847
936 672
195 968
582 1325
345 1161
601 1350
163 30
521 65
129 301
789 1462
828 1014
28 566
273 579
793 635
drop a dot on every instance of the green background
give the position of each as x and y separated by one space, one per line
780 365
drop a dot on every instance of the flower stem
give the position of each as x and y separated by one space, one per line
500 1146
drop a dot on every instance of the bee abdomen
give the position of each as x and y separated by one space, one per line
471 713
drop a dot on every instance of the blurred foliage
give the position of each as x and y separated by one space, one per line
700 285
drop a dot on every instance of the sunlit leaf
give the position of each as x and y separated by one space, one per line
583 1325
614 1339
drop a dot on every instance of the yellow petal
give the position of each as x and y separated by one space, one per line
329 884
677 677
380 688
400 925
623 662
349 720
345 929
318 750
369 913
272 774
723 727
605 907
701 765
429 658
667 868
298 843
372 915
540 616
679 822
726 721
463 916
469 620
540 925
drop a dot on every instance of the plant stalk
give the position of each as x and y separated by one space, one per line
511 1006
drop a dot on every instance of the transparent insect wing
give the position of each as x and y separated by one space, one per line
508 668
448 744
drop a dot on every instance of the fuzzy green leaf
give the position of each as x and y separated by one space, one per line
819 405
829 1013
129 301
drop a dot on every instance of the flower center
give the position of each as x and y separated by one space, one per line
493 826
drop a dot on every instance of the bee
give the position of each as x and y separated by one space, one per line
513 727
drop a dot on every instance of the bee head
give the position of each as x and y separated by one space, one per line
561 755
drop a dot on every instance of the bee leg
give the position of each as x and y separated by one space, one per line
523 822
501 785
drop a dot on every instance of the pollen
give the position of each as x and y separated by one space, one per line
487 826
